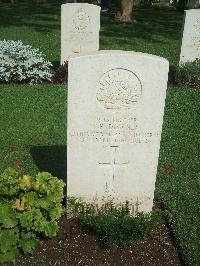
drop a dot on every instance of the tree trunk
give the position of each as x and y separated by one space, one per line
125 13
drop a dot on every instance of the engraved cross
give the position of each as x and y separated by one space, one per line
113 164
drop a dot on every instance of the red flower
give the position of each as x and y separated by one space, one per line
13 146
18 164
167 168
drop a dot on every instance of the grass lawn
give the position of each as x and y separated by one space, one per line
33 125
178 178
33 118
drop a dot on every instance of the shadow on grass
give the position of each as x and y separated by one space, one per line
171 75
42 15
166 23
52 159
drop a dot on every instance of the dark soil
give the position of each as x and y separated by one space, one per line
76 245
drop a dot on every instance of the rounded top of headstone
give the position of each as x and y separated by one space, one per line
86 5
120 53
193 10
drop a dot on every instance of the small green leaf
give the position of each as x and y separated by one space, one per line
10 255
28 245
26 219
56 212
31 199
9 183
25 182
7 215
8 239
51 229
40 224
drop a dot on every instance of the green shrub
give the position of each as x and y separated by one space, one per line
22 63
145 3
115 226
29 207
188 74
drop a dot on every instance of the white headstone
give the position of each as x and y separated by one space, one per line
115 112
190 49
80 25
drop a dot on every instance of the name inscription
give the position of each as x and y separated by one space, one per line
112 130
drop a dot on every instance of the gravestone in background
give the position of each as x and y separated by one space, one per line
115 112
80 25
190 49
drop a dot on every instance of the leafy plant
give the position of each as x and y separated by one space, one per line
61 74
22 63
29 206
115 226
188 74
